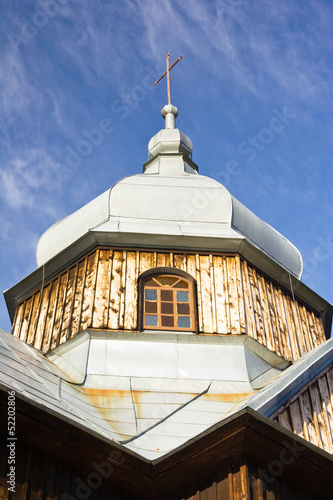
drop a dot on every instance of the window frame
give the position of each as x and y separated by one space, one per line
168 271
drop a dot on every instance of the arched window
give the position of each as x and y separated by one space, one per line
167 301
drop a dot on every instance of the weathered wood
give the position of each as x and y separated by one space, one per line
296 418
89 292
206 294
160 260
245 484
257 487
33 322
16 331
130 319
320 337
222 325
26 319
241 483
306 327
285 420
319 416
329 379
115 292
251 328
233 296
274 319
179 261
198 279
49 323
290 322
226 294
213 293
312 327
283 324
69 303
123 290
102 295
42 317
240 294
299 330
78 298
257 306
308 418
327 410
266 314
191 265
59 310
146 261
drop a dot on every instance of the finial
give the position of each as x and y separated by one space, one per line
169 113
167 72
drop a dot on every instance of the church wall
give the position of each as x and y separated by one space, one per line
309 414
100 291
41 476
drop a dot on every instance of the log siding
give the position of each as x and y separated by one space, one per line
101 291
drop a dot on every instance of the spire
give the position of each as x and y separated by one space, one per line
170 151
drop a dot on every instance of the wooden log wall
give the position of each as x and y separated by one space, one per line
310 412
101 291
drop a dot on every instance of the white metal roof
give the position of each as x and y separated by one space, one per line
171 204
153 410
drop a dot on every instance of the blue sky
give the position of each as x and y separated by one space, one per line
71 67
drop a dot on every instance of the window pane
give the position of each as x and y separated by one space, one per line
150 294
166 307
183 309
151 282
167 280
166 295
150 320
183 297
167 321
151 307
184 322
182 284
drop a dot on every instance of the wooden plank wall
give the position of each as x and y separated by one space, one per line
100 291
310 412
244 482
40 476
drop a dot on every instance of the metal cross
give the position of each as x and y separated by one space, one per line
167 72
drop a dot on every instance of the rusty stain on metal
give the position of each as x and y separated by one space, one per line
117 411
227 398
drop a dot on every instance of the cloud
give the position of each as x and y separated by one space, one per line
283 51
26 175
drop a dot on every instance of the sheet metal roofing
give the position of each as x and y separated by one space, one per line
170 203
147 413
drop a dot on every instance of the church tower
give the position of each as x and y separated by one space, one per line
166 334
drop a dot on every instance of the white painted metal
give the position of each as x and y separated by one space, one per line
145 408
171 199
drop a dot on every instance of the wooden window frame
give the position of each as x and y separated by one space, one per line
177 273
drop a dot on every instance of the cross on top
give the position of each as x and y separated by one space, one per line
167 72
